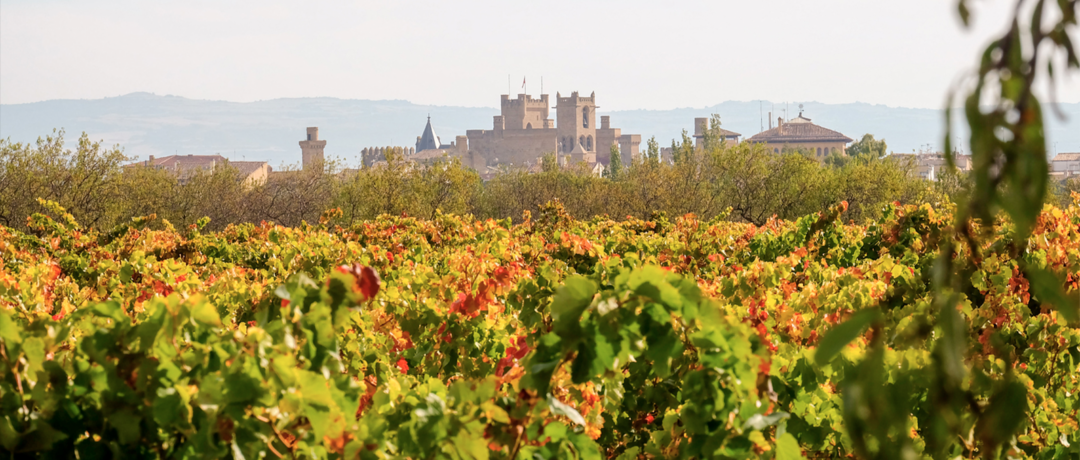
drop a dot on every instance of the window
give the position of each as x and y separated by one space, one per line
528 126
819 151
309 136
776 150
588 143
584 117
581 141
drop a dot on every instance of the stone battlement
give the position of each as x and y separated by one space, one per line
574 98
524 100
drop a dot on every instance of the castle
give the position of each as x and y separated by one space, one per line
523 132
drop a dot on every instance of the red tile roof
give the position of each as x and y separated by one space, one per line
799 130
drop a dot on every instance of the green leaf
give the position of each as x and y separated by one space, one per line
558 408
838 337
9 330
787 448
1004 414
126 422
581 369
34 349
571 300
760 422
1048 289
315 390
206 313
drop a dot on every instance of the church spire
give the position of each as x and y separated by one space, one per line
428 140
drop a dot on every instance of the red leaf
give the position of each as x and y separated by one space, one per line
367 279
501 275
403 365
368 282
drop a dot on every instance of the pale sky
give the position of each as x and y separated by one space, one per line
634 54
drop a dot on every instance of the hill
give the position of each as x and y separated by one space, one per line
146 124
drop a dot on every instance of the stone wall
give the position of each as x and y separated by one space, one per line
510 147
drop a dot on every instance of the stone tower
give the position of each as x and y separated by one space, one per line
576 122
525 112
311 150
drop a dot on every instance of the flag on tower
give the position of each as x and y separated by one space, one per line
522 82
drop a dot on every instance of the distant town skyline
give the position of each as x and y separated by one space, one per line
640 54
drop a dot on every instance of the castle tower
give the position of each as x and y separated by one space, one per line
311 150
525 112
576 122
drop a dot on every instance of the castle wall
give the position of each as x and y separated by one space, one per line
516 147
629 145
605 138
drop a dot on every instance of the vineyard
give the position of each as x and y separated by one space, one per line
550 338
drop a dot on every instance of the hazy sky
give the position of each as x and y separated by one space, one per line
654 54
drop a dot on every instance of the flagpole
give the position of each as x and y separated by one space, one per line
509 92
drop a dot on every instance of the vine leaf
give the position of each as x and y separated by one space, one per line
787 448
1047 287
841 335
558 408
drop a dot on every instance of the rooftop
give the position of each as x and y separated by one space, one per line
799 129
428 140
1067 157
723 132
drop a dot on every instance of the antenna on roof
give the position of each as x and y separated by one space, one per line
800 110
761 124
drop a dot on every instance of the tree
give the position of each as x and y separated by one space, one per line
868 148
684 152
652 150
549 162
713 137
614 170
85 181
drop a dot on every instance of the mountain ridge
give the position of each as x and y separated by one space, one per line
148 124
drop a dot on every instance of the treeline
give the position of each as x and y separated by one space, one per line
750 181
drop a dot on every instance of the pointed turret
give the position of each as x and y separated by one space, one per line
428 140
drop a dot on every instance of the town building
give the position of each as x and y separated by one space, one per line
702 125
800 134
1065 164
929 165
187 166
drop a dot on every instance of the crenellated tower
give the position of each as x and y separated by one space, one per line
576 124
525 112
